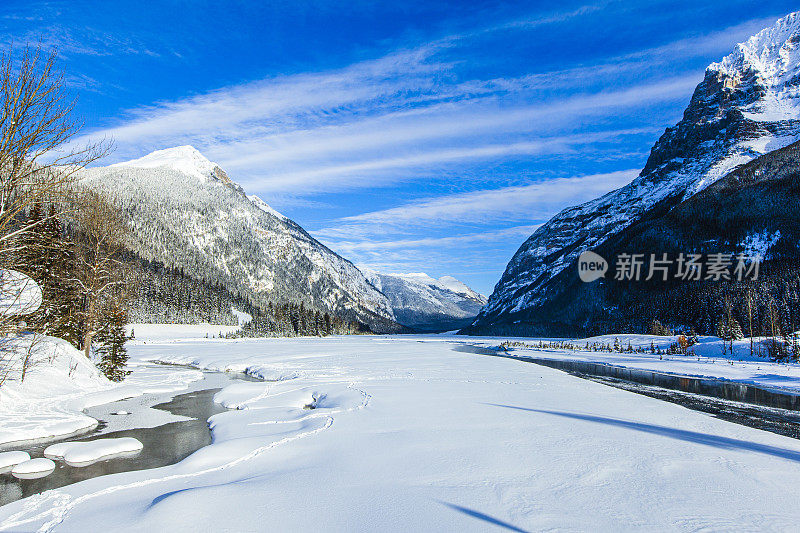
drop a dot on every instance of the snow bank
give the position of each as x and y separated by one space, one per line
49 401
60 383
150 379
33 469
84 453
9 459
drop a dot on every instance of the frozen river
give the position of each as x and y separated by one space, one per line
163 445
407 434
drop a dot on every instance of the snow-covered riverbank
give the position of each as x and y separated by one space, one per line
708 359
61 385
403 433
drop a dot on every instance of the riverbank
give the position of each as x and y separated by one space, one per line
709 358
170 427
61 387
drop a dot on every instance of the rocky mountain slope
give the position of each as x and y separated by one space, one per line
747 105
752 211
186 214
427 304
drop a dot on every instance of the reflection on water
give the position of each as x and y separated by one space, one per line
163 445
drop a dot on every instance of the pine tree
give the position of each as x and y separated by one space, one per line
735 329
111 343
60 289
722 329
656 328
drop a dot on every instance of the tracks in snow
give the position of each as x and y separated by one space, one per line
53 507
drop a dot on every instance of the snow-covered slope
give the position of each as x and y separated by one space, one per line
422 302
46 401
746 106
264 206
186 213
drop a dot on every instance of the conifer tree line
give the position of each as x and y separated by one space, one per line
291 320
767 307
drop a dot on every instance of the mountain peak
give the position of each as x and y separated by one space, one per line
186 159
459 287
447 283
772 55
748 104
424 303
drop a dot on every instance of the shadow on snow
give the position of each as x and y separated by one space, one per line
680 434
482 516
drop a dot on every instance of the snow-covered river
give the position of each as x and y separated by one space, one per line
369 433
163 445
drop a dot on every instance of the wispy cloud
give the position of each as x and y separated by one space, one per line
382 119
529 23
504 234
466 254
648 60
334 156
711 43
75 40
363 238
535 201
532 201
352 173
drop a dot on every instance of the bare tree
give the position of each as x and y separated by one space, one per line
100 273
39 164
30 354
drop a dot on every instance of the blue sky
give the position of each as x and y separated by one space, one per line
408 136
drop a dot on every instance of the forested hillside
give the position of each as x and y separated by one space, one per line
187 217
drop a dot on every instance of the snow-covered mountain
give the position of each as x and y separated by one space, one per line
747 105
425 303
185 212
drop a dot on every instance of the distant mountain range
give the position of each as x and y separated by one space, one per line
427 304
189 217
696 193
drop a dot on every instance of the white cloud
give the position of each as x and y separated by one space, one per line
223 112
353 173
437 242
536 201
712 43
374 122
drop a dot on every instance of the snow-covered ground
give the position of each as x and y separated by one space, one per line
60 383
144 333
406 434
708 359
